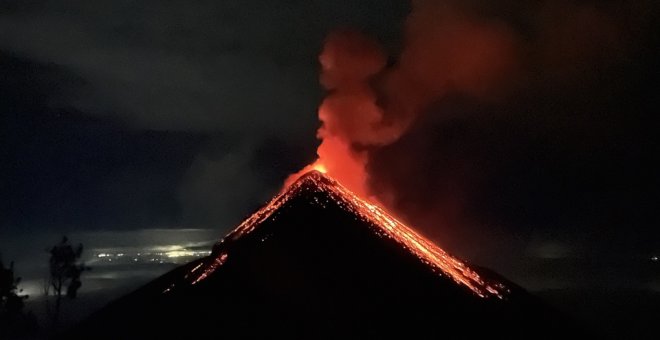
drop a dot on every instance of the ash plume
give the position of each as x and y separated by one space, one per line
463 123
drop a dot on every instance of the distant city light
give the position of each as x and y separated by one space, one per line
167 254
179 253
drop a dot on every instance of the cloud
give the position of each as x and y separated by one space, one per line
525 126
243 70
246 67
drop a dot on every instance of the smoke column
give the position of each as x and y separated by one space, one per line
370 104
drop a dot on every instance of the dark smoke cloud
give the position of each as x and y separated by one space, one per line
526 119
234 76
499 120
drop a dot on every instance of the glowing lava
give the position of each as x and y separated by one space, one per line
316 166
319 167
339 160
380 221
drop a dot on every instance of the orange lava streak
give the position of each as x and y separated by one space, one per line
384 224
424 249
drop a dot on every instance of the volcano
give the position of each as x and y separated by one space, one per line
320 262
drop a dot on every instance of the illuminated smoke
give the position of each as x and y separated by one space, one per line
349 114
370 104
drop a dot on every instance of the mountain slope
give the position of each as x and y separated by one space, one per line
319 262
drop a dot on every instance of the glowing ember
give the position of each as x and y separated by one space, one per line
209 268
382 223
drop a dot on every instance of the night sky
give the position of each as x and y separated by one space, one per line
125 118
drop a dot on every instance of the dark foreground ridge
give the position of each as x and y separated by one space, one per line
319 262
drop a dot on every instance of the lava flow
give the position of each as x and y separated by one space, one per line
382 223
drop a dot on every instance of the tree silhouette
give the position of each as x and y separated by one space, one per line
65 270
11 301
